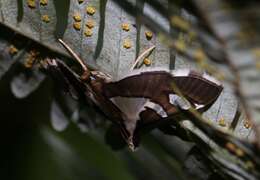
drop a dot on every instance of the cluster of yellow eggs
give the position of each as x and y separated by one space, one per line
90 24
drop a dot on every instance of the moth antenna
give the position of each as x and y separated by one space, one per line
73 54
140 57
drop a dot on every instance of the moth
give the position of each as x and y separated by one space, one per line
141 98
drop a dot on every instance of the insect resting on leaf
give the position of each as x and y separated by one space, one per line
140 99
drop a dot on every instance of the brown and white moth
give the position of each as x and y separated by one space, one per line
140 98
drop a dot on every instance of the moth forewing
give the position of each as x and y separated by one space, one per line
155 86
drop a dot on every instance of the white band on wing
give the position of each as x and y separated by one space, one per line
182 102
157 108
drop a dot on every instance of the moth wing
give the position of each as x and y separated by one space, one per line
158 87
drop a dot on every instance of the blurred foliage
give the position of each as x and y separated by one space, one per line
220 37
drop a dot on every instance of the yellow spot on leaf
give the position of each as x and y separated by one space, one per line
127 43
30 60
256 52
220 76
149 35
77 25
257 65
234 149
77 17
31 3
247 124
90 24
180 45
203 64
239 152
43 2
34 53
179 22
13 50
90 10
199 55
28 64
45 18
222 122
88 32
230 146
147 61
125 26
249 165
192 35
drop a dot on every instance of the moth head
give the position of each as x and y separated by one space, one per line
101 76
